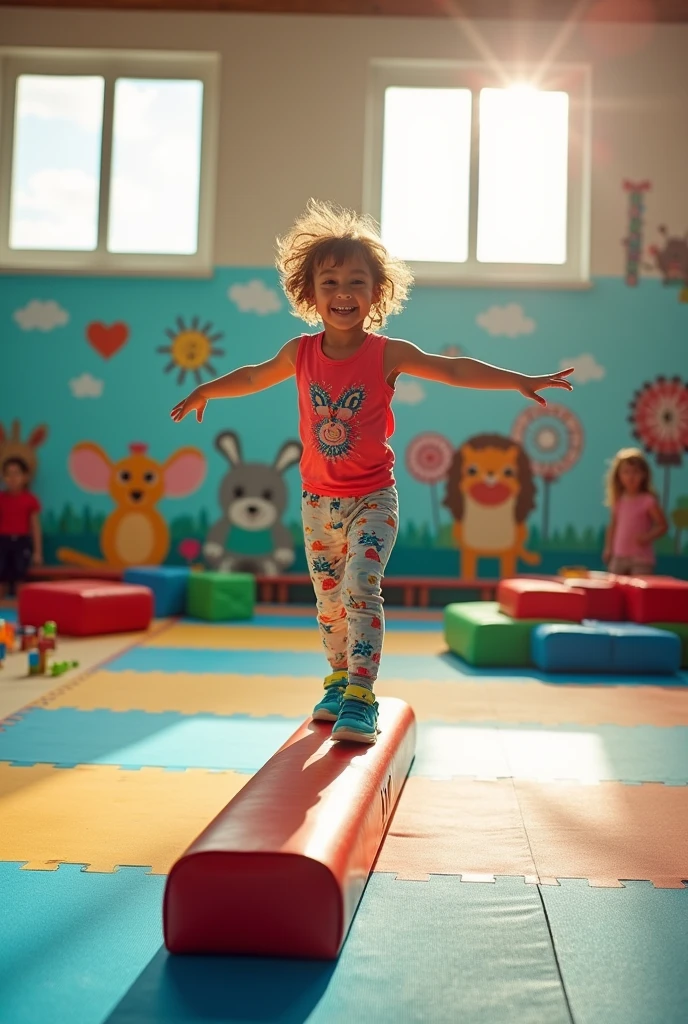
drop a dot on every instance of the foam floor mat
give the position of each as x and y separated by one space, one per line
274 638
485 750
442 952
462 700
542 831
106 817
72 942
622 952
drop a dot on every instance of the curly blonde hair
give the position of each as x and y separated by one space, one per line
613 485
326 232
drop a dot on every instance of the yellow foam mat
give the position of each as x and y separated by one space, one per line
465 701
249 638
105 817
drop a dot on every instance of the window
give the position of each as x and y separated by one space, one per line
478 176
110 161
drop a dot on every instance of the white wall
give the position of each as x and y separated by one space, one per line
293 103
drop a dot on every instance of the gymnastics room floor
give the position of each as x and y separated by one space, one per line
533 872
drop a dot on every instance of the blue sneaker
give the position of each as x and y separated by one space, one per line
327 709
357 719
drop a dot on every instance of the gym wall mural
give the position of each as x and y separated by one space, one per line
486 482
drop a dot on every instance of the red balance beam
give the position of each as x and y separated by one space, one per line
282 868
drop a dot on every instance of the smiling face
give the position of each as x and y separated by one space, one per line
490 476
344 294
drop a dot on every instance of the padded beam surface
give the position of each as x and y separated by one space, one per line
281 870
541 599
86 607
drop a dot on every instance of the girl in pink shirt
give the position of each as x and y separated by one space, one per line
337 273
637 519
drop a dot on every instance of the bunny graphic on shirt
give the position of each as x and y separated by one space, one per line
334 430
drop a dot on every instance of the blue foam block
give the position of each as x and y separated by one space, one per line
72 942
638 648
168 583
568 647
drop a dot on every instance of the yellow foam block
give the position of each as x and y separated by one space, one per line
464 701
105 817
279 639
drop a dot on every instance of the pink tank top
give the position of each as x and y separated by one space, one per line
345 419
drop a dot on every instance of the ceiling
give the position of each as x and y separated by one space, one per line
552 10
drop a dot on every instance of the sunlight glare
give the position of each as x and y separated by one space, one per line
425 173
522 202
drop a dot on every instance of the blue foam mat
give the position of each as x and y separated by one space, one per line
135 738
169 739
444 668
273 663
441 951
622 952
72 942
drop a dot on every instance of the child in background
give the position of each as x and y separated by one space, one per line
336 271
637 519
21 541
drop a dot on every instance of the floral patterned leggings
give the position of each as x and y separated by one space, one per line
348 544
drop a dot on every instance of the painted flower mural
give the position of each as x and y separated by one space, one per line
428 458
659 419
553 439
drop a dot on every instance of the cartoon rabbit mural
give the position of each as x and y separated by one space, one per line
12 445
135 533
250 535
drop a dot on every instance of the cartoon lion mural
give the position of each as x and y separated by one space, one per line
490 492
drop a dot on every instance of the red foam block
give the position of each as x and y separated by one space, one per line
604 600
282 868
86 607
654 598
541 599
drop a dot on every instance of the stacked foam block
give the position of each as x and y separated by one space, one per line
601 624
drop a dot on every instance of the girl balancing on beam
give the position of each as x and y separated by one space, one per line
337 274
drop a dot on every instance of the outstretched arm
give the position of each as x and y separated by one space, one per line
461 371
246 380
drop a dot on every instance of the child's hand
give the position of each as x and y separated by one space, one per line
606 556
195 401
37 558
643 539
529 386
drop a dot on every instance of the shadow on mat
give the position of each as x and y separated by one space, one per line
591 679
233 990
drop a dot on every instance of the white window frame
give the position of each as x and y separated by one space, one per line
575 79
111 65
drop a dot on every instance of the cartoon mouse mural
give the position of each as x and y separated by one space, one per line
134 533
250 535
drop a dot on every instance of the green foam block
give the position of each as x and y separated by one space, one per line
681 631
221 596
482 635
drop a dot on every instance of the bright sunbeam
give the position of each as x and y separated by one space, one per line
522 199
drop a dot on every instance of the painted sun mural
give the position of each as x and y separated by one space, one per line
191 348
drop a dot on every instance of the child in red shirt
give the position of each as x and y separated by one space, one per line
21 541
337 273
